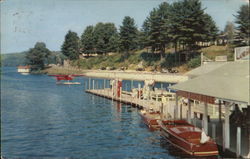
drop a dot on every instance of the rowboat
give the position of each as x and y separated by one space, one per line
188 138
150 118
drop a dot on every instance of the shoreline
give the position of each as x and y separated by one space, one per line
125 75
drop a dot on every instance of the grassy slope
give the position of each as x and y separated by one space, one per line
149 63
213 51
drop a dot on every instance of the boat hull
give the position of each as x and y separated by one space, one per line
150 120
188 142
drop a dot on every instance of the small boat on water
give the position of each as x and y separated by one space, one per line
150 119
188 138
68 78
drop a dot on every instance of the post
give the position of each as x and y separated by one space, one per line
189 111
223 136
89 83
104 85
238 145
227 126
214 132
120 94
181 110
161 110
139 88
205 119
220 110
176 107
132 84
93 84
112 93
161 86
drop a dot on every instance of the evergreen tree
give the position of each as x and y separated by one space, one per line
105 35
128 35
144 39
70 47
155 30
37 56
87 40
189 24
242 19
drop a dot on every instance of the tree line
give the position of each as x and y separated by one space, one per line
181 25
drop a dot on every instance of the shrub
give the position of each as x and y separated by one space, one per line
194 62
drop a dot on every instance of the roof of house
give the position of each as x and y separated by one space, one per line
24 67
229 81
208 67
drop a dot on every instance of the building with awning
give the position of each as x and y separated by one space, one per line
229 82
226 82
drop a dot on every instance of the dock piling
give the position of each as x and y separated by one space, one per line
189 111
238 145
214 131
205 118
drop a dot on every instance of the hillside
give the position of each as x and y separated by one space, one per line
152 62
16 59
13 59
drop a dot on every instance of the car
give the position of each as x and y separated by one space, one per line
140 69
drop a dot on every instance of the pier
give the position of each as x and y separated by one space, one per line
194 102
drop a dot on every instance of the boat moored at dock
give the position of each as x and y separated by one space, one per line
188 138
150 119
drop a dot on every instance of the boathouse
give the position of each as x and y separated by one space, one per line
23 69
224 84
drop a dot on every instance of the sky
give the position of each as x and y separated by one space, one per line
25 22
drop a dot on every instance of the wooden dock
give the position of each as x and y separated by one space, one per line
165 102
160 100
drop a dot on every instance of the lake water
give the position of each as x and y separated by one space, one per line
42 119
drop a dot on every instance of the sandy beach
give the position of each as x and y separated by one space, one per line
126 75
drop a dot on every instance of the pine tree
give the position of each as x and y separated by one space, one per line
242 19
128 35
87 40
144 39
70 47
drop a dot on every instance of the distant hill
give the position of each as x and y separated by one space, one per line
16 59
13 59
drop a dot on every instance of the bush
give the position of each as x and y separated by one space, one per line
194 62
169 61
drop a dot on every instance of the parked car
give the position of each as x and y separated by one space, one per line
140 69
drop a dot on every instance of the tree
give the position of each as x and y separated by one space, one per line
144 39
229 31
102 38
104 35
128 35
70 47
87 40
242 19
37 56
158 27
190 25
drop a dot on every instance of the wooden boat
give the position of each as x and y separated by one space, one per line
150 119
188 138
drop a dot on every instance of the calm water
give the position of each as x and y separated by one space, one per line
42 119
